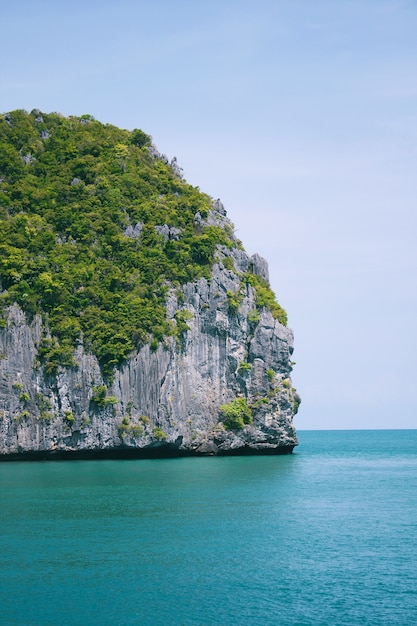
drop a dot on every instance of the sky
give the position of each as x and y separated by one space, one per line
301 116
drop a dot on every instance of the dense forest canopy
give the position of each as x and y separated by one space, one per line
83 206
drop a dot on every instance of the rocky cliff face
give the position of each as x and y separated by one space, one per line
173 399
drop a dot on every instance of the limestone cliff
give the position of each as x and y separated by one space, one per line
164 401
219 384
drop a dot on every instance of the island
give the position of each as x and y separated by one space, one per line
132 321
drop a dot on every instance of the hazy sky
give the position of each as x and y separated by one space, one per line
301 116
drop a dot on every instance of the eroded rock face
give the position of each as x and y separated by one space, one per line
168 399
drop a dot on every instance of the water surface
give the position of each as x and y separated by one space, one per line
325 536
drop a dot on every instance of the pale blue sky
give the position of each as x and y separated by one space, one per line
301 116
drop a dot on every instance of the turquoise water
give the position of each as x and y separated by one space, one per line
326 536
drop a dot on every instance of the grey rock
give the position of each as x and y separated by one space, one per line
198 223
178 171
154 152
168 232
219 207
28 158
260 266
168 399
133 231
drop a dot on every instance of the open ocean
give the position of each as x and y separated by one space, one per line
325 536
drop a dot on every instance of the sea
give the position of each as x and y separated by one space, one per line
326 536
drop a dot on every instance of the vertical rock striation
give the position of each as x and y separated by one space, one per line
170 400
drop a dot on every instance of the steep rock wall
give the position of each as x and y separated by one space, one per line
162 401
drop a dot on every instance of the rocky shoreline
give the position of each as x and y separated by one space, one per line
168 451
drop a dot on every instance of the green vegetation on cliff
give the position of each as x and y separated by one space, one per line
69 190
237 414
94 227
